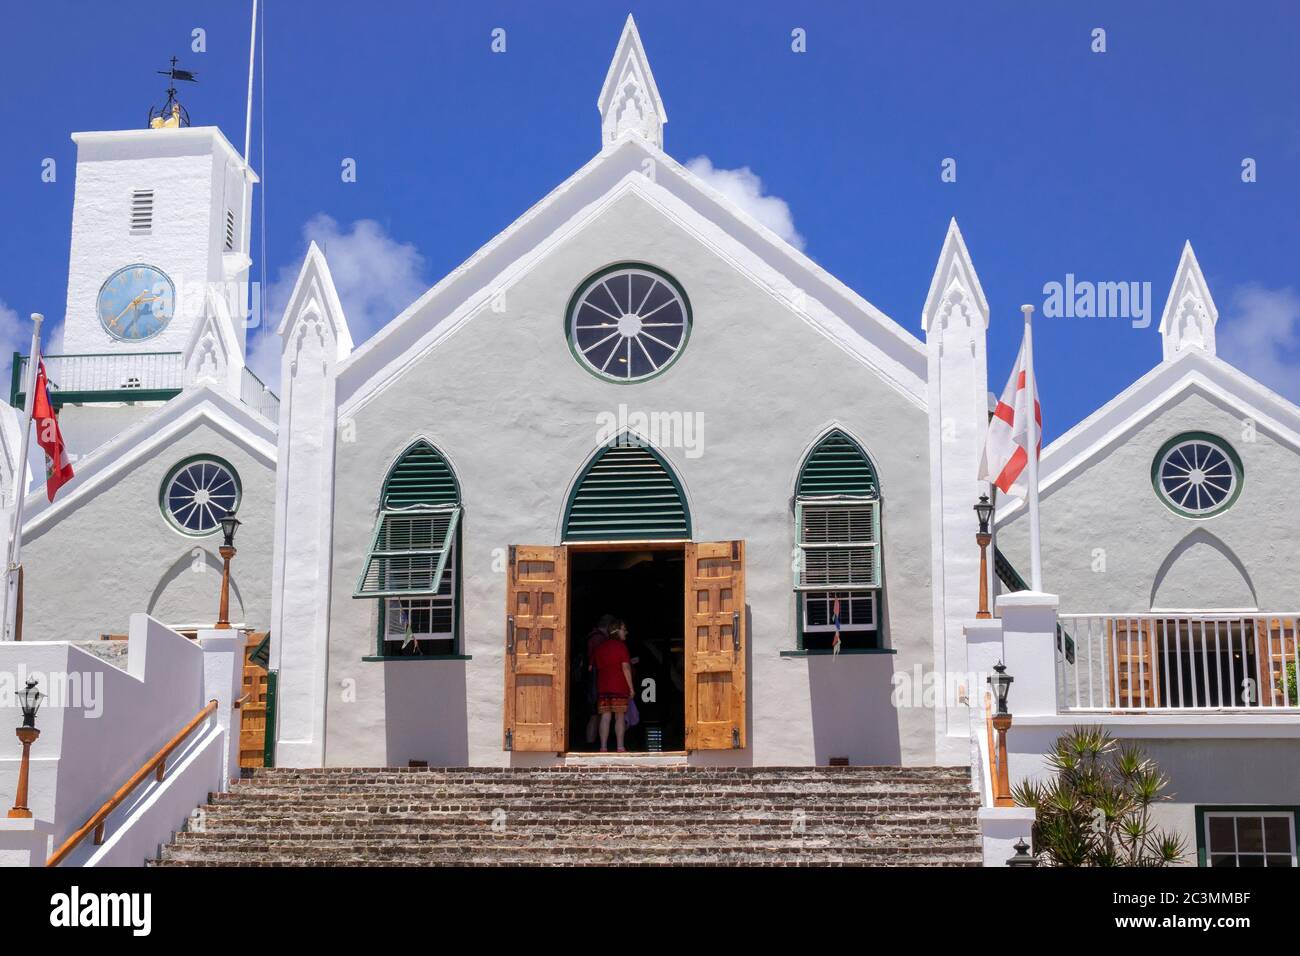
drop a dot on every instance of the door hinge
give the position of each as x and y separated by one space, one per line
735 738
735 631
510 740
735 551
513 575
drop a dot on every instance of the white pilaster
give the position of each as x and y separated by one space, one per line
315 338
1029 650
955 320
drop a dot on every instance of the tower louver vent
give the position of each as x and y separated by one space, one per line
141 212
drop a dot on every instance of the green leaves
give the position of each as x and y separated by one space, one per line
1095 811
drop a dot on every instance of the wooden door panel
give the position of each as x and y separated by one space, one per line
536 629
715 645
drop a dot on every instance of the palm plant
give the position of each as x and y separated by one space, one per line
1096 809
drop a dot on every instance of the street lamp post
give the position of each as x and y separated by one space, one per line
30 700
1001 682
984 511
229 525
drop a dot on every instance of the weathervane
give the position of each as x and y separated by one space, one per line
171 114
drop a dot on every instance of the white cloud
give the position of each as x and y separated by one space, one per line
376 277
1260 334
743 187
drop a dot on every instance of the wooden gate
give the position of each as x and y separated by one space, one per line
252 714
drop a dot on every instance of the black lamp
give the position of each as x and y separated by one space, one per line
229 525
1001 682
29 699
984 511
1022 857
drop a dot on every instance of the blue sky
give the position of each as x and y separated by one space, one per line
1068 161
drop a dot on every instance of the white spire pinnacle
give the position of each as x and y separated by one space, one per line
629 100
955 287
1190 314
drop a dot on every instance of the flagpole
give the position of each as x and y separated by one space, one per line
15 556
1031 391
248 116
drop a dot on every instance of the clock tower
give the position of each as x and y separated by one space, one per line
160 226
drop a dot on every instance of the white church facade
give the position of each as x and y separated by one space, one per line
617 406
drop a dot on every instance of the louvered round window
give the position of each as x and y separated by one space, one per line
628 323
1197 475
197 494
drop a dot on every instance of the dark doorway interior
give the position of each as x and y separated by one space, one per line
645 589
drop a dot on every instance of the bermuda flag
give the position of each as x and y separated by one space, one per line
58 469
1005 451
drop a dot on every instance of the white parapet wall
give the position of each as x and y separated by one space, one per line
99 724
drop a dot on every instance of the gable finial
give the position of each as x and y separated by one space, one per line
1190 313
629 100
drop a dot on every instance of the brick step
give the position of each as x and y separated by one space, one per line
482 830
610 777
649 794
595 855
272 820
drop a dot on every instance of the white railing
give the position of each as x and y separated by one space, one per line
123 371
1178 662
258 397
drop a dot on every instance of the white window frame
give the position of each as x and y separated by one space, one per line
1234 815
446 597
845 595
802 506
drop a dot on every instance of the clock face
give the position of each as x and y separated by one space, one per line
136 302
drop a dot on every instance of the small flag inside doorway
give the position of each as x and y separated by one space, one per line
58 470
835 619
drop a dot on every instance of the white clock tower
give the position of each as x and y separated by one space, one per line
160 228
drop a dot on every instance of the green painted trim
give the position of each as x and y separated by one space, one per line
393 659
821 652
125 396
16 383
162 492
1202 810
1223 446
420 443
268 738
586 284
379 654
816 459
634 534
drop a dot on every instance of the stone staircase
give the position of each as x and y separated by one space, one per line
588 815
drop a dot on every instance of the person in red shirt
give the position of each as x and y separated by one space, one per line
599 635
613 685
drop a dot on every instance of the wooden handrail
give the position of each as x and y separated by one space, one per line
157 765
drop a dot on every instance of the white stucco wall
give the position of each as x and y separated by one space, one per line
516 416
114 554
1154 557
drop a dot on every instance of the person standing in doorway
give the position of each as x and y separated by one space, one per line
598 636
614 686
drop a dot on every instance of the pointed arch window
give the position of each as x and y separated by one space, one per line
627 493
412 563
837 534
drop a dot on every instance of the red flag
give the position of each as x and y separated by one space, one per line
58 470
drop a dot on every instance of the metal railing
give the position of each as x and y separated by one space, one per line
128 376
258 397
1178 662
90 376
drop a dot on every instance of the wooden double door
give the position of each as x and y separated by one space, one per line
537 646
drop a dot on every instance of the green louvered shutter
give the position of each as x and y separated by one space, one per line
837 466
416 529
627 493
420 477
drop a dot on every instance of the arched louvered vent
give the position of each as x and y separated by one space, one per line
837 466
420 477
627 493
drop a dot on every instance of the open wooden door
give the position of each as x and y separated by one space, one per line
253 712
715 645
1276 650
536 702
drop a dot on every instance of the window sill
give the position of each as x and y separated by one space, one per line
394 658
843 651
